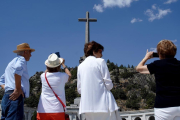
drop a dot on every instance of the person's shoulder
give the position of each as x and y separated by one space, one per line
100 60
80 65
20 60
13 60
61 73
178 61
42 75
157 61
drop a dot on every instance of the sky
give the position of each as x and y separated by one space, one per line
126 29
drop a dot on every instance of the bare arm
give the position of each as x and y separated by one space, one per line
143 68
66 70
3 86
17 91
2 81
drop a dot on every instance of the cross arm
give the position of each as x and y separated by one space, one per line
92 20
82 19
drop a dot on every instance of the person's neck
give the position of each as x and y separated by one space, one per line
22 56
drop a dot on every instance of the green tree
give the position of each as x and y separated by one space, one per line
116 79
116 66
70 95
126 74
144 93
34 116
132 66
152 86
150 100
74 73
113 73
33 100
133 102
111 66
119 94
121 66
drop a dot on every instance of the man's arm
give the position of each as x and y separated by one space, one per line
17 91
143 68
2 81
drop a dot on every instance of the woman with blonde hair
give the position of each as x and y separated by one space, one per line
167 76
51 106
94 85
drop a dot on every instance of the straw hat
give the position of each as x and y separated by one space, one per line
53 61
23 47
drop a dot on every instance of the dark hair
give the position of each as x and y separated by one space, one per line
56 69
166 49
91 47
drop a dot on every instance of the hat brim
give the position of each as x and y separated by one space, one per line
16 51
53 66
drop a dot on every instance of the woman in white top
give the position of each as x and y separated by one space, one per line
49 107
94 85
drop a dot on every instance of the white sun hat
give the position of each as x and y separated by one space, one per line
53 61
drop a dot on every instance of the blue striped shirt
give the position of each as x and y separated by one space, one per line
17 66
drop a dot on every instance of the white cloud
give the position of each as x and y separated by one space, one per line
136 20
170 1
98 8
174 40
154 6
153 49
119 3
112 3
160 13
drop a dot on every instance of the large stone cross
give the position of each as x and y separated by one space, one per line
87 20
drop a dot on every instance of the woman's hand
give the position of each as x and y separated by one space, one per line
66 69
143 68
63 62
148 55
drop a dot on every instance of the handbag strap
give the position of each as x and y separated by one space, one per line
55 93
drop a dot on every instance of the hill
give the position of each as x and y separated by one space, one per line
132 90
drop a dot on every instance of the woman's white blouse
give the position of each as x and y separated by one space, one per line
94 85
48 103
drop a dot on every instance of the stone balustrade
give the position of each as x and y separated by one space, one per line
73 112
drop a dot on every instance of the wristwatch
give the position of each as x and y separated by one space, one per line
65 68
